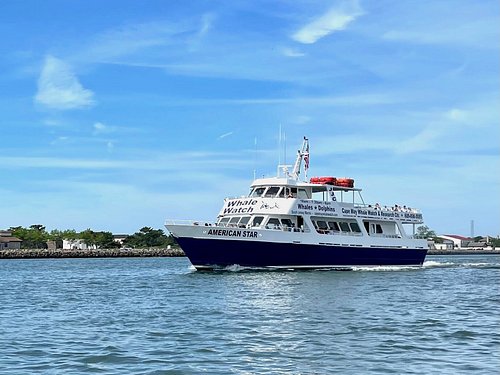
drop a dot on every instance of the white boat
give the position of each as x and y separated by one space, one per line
286 222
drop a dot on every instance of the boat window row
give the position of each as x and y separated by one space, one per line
240 221
385 229
257 221
336 226
280 224
279 192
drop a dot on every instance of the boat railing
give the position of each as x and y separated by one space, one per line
286 228
338 233
381 235
395 208
190 222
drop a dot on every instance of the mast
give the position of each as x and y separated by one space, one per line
303 153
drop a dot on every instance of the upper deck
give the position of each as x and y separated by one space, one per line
287 194
282 196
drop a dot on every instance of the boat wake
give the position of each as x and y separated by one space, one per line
481 265
430 264
386 268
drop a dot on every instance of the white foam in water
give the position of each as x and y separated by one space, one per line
481 265
234 268
434 264
386 268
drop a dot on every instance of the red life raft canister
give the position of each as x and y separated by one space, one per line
345 182
323 180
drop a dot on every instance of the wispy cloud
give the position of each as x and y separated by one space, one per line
206 23
335 19
348 100
128 40
225 135
100 128
154 162
136 43
290 52
480 35
59 88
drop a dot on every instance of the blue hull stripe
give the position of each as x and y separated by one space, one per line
215 252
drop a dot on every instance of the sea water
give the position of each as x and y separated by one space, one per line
160 316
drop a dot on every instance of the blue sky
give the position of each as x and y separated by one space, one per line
121 114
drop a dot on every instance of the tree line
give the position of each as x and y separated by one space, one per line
36 237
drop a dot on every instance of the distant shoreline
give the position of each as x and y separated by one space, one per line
94 253
158 252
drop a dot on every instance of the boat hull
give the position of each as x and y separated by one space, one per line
209 253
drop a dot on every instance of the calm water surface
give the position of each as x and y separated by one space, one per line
159 316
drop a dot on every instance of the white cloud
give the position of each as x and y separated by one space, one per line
337 18
59 88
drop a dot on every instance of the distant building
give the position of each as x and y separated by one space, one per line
52 245
120 238
445 245
458 241
7 241
477 244
77 245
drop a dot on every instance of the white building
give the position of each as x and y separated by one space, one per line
77 245
458 241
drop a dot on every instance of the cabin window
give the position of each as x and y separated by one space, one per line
287 223
283 193
355 227
303 194
257 220
258 192
244 221
223 221
272 191
367 226
234 220
293 193
273 223
344 226
373 228
322 225
333 225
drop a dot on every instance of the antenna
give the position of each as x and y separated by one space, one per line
255 159
279 146
284 147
